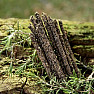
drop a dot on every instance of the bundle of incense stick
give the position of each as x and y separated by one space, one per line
52 45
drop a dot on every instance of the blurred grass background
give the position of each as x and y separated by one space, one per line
74 10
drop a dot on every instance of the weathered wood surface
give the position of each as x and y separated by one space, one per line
15 84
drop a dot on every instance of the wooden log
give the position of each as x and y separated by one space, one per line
81 37
80 34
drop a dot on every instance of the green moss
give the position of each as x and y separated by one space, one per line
83 46
78 27
71 26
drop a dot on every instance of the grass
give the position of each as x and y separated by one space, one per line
79 10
